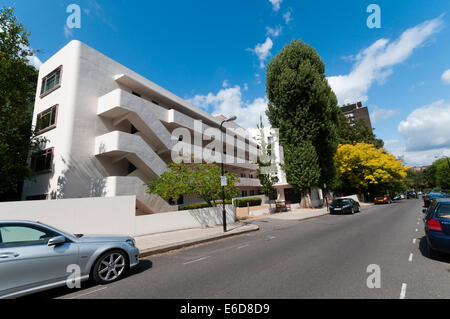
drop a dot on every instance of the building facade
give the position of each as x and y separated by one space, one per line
357 112
109 131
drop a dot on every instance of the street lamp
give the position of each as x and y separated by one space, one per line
223 179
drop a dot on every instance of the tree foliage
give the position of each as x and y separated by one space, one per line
439 173
353 131
304 109
17 91
365 168
202 180
267 169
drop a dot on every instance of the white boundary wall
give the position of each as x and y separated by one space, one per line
110 215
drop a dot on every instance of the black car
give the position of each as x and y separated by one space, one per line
344 206
437 226
411 194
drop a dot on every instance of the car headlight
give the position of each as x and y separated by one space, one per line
131 242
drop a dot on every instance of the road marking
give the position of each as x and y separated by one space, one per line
403 292
417 223
243 246
410 257
193 261
414 241
88 293
417 229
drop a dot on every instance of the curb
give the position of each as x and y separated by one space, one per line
179 245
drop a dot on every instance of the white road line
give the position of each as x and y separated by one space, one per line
403 292
414 241
410 257
88 293
193 261
417 229
243 246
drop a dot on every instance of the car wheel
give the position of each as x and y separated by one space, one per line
110 267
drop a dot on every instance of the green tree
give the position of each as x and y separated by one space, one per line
353 131
267 170
202 180
304 109
442 173
17 91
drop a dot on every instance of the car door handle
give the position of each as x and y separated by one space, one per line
9 255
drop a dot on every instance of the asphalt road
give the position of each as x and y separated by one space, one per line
324 257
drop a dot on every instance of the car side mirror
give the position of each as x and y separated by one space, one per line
424 210
55 241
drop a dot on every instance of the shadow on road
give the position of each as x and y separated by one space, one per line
144 265
423 247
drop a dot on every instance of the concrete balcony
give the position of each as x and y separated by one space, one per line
119 145
248 182
130 185
148 118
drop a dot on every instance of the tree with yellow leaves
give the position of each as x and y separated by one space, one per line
366 169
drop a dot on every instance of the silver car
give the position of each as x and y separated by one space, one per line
36 257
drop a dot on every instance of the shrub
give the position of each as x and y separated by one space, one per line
242 202
202 205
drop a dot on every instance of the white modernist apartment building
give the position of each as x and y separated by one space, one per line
109 131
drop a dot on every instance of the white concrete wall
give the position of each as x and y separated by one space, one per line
195 218
110 215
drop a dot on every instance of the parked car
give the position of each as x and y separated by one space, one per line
399 197
344 206
35 257
411 194
385 199
437 227
428 198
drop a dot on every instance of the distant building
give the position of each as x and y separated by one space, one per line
357 111
419 168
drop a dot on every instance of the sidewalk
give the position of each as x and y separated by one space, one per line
159 243
299 214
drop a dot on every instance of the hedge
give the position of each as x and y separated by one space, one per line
242 202
201 205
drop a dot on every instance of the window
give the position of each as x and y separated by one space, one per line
19 235
51 82
41 162
46 120
443 211
37 197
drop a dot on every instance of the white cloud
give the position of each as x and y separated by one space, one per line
446 77
35 61
276 4
68 32
229 102
274 32
414 158
287 17
381 114
375 63
225 83
427 128
262 50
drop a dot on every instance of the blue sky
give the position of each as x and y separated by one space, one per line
214 53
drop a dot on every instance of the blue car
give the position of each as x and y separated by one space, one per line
437 227
428 198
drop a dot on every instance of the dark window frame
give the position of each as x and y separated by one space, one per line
43 152
44 82
50 127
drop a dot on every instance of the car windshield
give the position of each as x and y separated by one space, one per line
443 211
340 201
